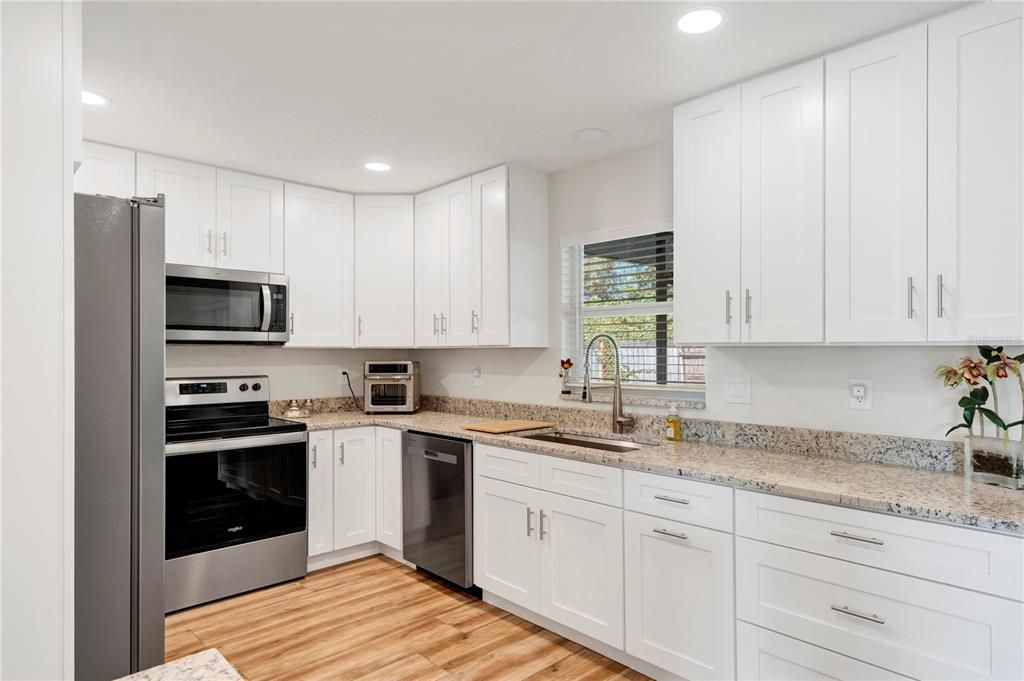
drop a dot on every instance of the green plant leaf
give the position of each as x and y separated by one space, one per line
956 427
969 416
993 417
987 352
1015 424
979 394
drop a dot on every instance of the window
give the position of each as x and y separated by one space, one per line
623 287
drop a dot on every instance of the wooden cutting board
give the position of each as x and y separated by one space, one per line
509 426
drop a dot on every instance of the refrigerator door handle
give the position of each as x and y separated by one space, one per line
265 312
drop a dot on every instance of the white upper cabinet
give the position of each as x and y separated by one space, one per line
707 219
464 265
876 220
491 223
319 259
250 222
976 239
106 170
431 266
782 233
385 262
190 215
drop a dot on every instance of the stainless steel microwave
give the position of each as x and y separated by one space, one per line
209 305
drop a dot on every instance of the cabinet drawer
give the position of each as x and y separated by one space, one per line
688 501
510 465
907 625
763 655
582 480
963 557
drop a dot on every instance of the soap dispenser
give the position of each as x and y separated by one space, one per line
673 425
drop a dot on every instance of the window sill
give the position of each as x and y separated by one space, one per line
686 397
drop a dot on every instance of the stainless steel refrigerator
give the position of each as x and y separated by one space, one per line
119 435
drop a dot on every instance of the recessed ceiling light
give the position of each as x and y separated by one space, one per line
700 20
93 99
589 135
377 167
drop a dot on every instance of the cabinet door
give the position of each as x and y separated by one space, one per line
975 186
385 309
355 466
782 193
389 487
461 324
506 551
763 655
706 196
106 170
876 190
679 597
320 498
490 221
250 222
431 266
318 229
581 566
190 216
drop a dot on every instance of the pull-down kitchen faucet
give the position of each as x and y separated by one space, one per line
620 422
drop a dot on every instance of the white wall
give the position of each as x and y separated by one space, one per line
805 387
36 407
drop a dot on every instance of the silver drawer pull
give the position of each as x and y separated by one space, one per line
529 521
674 500
842 609
542 532
867 540
667 533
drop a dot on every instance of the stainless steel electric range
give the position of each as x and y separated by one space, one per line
235 498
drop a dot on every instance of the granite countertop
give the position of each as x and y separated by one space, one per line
208 665
908 492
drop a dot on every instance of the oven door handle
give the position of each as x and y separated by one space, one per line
224 444
266 313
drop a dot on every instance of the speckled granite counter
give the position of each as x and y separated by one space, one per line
208 665
914 493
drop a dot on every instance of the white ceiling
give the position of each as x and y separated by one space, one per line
310 92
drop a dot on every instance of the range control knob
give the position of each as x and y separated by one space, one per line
245 386
256 386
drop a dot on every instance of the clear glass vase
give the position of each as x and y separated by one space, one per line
996 461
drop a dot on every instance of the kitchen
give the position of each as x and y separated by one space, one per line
815 519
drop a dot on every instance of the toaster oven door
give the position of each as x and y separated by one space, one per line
388 395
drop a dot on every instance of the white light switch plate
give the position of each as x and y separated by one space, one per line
860 393
737 390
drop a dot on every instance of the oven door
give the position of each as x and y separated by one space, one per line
385 393
222 493
211 305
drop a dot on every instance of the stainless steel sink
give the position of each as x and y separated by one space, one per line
605 444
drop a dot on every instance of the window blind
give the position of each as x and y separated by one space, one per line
624 288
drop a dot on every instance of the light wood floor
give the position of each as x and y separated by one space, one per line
377 619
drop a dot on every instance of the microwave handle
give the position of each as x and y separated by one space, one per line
266 312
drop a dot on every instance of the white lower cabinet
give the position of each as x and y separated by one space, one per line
389 487
355 506
763 655
506 549
320 493
679 597
581 566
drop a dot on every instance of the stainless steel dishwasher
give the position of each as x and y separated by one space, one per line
437 506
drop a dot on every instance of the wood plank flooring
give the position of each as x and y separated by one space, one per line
376 619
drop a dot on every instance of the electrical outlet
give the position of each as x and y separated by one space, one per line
860 393
341 376
478 377
737 390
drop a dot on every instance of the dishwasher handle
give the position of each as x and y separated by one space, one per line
440 457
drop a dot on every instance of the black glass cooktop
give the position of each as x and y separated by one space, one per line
207 422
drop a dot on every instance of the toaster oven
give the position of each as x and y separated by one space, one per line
391 387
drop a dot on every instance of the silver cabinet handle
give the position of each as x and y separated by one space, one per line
435 324
939 298
529 521
728 306
474 322
291 323
224 245
844 610
867 540
444 324
674 500
314 456
669 533
359 325
209 241
747 297
910 297
542 532
341 453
